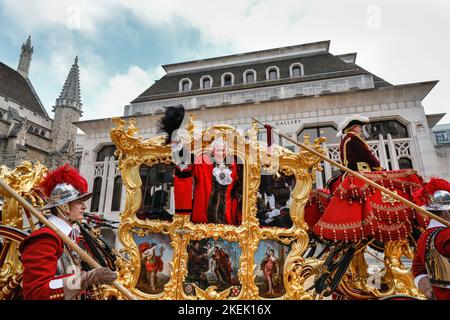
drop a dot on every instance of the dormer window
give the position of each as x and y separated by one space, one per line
206 82
185 85
227 79
296 70
249 76
272 73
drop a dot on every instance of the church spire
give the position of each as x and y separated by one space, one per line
70 94
25 58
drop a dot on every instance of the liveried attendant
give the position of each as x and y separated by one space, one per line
431 264
50 268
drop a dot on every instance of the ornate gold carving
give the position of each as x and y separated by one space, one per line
133 151
22 179
297 270
385 198
397 276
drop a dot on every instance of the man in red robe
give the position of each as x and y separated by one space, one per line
431 264
205 189
213 184
50 268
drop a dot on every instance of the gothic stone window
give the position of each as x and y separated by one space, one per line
396 129
328 132
96 190
105 151
117 194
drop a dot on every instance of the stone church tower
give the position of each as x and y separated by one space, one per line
25 58
26 130
67 110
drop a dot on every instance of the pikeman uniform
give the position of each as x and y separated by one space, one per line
432 260
51 270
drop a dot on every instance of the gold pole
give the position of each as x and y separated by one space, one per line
87 258
368 181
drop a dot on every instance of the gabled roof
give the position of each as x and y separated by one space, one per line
18 89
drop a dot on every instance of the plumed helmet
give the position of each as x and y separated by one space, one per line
440 201
64 185
434 195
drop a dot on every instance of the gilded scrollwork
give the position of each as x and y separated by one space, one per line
22 179
133 151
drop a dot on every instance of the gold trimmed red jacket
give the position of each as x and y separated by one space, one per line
354 149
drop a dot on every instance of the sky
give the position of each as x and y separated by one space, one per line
121 44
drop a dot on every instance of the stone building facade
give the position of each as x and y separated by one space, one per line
442 138
300 90
26 130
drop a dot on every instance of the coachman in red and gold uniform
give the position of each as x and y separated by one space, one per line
343 220
51 270
431 265
354 151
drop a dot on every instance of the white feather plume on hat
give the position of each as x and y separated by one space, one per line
354 119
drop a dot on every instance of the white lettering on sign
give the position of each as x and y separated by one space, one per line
287 122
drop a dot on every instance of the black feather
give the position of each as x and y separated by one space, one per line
171 121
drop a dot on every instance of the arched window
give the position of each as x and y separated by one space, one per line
185 84
272 73
249 76
36 130
405 163
227 79
206 82
96 191
296 70
117 194
328 132
393 127
105 151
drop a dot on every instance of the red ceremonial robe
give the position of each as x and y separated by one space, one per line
182 183
203 177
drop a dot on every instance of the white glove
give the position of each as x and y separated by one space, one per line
273 213
271 200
